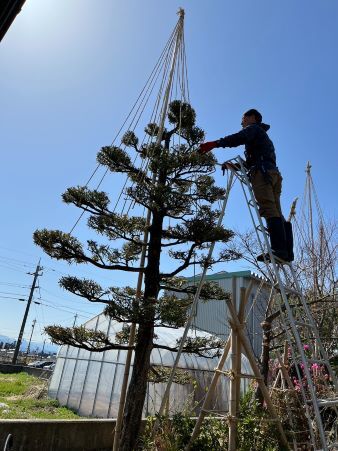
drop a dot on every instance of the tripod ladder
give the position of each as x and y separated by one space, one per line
313 375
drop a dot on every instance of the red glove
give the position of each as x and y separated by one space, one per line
207 147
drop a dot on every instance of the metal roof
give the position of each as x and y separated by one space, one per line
227 275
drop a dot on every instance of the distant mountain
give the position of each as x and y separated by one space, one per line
35 345
6 339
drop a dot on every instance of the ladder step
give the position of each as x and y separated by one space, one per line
260 228
325 402
290 290
243 180
328 402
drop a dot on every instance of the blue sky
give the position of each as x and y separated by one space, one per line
70 72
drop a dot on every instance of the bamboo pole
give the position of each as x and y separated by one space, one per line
131 341
287 383
232 417
206 403
244 295
284 363
258 376
232 403
217 374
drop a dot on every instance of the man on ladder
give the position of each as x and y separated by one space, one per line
265 178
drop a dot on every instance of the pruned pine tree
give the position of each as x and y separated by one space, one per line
180 187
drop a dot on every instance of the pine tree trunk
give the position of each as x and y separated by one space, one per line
137 389
138 383
265 357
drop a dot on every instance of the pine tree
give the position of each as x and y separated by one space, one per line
181 188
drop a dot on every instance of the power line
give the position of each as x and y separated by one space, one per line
13 269
17 285
16 261
67 311
51 304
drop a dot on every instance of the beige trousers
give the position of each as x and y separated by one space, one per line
267 193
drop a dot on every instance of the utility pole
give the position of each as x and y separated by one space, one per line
43 348
30 338
23 324
75 318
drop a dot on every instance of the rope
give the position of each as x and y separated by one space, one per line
143 93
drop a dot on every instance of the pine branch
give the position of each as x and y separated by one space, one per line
83 338
115 226
118 160
84 288
184 265
62 246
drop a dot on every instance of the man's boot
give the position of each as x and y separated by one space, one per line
289 240
277 239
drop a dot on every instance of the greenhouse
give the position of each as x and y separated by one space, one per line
90 382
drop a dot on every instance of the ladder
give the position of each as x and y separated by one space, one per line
307 355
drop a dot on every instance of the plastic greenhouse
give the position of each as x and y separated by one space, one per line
90 382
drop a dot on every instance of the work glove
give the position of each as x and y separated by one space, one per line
207 147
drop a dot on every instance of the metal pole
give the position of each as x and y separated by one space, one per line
30 338
23 324
132 334
43 348
312 245
193 308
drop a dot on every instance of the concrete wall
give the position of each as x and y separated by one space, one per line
58 435
61 435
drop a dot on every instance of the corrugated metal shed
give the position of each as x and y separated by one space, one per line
213 316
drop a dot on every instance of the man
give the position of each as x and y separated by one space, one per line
265 178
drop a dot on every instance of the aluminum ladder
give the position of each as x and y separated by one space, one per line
307 353
297 319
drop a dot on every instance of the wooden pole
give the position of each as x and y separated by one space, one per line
218 372
232 403
287 383
206 404
284 363
258 376
232 417
243 299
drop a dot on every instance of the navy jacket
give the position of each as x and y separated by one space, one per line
259 149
